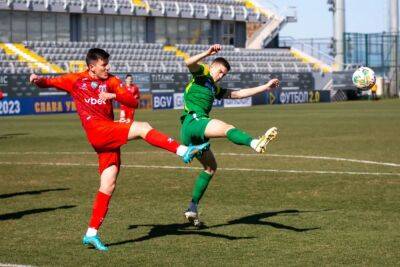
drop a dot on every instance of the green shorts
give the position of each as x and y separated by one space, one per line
193 129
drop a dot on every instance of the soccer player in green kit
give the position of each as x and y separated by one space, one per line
198 127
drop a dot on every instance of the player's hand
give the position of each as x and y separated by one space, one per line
33 78
273 83
107 96
214 49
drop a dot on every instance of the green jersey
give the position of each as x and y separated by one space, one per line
200 93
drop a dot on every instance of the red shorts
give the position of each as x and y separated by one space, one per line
107 137
129 112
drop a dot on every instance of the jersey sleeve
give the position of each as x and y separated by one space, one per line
63 82
123 96
204 70
220 92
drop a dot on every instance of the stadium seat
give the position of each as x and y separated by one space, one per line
149 57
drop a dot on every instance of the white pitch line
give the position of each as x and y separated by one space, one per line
198 168
391 164
13 265
318 157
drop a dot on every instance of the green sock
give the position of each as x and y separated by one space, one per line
239 137
200 186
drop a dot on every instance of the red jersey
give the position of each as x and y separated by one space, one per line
134 90
85 91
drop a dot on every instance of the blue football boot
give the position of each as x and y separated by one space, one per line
95 242
194 151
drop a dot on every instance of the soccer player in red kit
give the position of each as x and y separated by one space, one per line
93 91
127 114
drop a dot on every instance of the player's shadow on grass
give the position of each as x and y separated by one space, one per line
257 219
33 192
20 214
161 230
4 136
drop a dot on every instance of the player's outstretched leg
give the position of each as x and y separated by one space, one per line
210 167
217 128
154 137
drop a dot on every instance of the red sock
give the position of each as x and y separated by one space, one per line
100 208
159 139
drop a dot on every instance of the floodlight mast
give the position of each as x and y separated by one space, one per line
337 7
394 17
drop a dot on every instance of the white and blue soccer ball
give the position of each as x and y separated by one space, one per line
364 78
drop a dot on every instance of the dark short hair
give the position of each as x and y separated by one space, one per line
95 54
128 75
223 62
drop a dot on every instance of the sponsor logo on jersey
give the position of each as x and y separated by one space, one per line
94 101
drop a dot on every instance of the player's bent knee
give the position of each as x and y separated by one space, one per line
145 129
211 169
109 189
228 127
139 129
107 186
146 126
108 179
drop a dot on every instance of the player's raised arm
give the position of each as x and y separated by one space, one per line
193 62
63 82
243 93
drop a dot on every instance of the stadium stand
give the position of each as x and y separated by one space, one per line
19 59
254 60
206 9
127 57
10 64
151 47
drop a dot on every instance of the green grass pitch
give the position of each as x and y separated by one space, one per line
288 207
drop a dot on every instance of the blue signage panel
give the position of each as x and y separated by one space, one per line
36 105
163 101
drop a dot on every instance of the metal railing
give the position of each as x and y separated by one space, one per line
311 47
314 47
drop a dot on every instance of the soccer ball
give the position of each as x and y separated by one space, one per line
364 78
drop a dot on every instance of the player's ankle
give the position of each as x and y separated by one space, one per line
253 144
193 206
181 150
91 232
